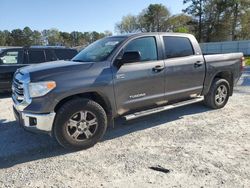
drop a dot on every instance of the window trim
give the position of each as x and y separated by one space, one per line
164 47
125 43
157 53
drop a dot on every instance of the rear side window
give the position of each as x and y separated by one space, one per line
11 57
36 56
177 47
65 54
50 56
146 46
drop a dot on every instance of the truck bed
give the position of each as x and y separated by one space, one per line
228 63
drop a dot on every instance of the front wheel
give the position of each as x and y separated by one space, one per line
80 124
218 94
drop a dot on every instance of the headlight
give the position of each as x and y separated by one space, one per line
39 89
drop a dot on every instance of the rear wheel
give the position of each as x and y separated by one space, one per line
218 94
80 124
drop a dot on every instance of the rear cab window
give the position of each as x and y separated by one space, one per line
11 57
177 47
65 54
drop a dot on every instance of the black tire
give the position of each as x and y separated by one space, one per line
210 99
64 115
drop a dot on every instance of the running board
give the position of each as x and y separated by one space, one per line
163 108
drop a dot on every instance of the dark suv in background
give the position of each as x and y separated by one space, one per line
13 58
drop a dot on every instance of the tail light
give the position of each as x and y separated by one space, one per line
242 64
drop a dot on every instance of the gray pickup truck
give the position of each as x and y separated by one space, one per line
125 76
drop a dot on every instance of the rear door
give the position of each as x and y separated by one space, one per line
10 61
138 84
185 68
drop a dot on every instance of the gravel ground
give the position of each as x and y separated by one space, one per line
196 146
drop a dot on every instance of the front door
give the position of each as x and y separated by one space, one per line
140 84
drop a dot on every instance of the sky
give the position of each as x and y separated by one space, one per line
74 15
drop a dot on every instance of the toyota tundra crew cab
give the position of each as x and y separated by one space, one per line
126 76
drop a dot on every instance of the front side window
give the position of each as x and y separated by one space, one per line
11 57
36 56
177 47
65 54
146 46
99 50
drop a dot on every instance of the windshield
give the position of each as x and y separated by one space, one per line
99 50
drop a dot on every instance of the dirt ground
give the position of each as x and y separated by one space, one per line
195 146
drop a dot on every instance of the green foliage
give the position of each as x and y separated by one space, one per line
151 19
244 33
127 25
27 37
196 9
218 20
247 61
180 23
209 20
156 16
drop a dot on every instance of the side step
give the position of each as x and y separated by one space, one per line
163 108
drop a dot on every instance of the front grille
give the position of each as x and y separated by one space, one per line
18 90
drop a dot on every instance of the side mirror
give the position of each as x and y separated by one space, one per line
130 57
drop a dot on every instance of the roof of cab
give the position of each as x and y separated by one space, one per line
152 33
34 47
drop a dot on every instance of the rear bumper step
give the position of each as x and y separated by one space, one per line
163 108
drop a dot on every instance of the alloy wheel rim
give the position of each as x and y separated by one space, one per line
221 95
82 125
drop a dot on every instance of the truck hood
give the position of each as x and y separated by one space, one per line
43 71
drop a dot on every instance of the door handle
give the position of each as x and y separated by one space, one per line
158 68
198 64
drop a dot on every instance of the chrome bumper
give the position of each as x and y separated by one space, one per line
35 122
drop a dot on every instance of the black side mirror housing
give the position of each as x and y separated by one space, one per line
131 57
128 57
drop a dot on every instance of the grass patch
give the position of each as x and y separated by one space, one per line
247 61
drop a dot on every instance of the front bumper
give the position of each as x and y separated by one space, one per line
35 122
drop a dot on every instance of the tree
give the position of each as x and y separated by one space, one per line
196 9
239 8
17 38
218 20
27 35
36 38
244 33
108 33
54 37
152 19
95 36
180 23
156 16
127 25
3 38
8 38
66 38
